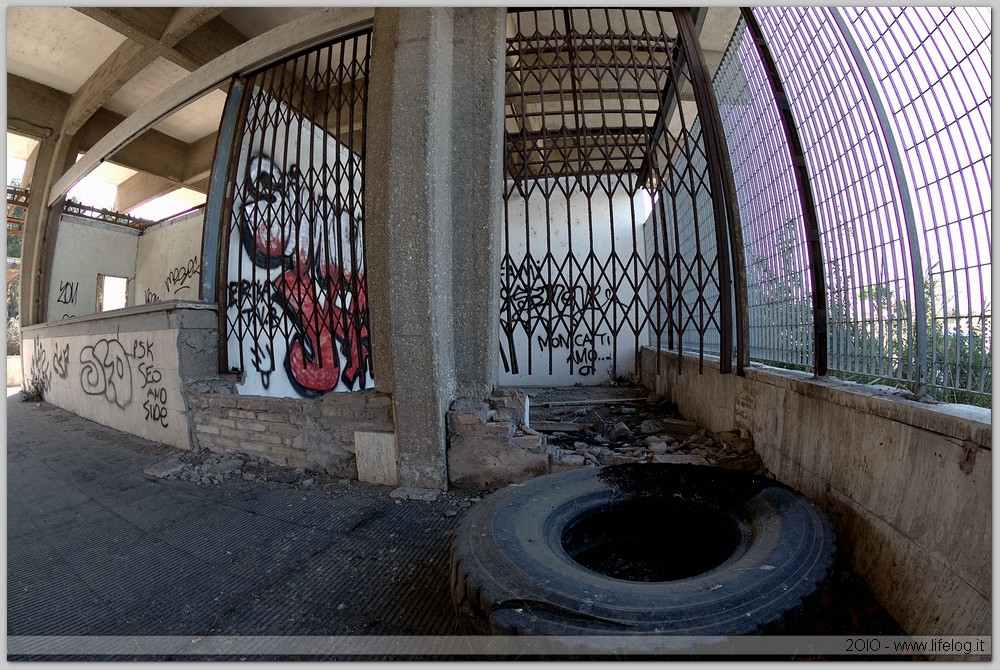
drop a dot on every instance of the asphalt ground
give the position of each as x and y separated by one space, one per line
97 550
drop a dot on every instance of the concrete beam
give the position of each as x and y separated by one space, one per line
198 164
53 157
139 24
29 167
122 65
33 109
263 49
130 58
152 151
205 44
140 189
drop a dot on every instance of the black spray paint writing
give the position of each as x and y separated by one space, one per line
151 297
120 372
60 362
39 372
155 398
68 292
532 301
107 371
181 277
254 300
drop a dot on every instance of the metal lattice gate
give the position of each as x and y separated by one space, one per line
612 236
295 312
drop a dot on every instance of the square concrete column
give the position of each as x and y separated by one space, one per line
430 213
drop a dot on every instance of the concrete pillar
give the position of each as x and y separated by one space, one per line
427 163
29 167
53 158
477 195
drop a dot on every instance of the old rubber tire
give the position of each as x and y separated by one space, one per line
770 548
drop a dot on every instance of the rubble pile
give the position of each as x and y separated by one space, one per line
595 426
206 468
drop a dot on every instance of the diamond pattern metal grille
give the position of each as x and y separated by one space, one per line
609 239
295 310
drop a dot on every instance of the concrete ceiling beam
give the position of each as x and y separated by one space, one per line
200 154
261 50
35 110
154 152
128 60
140 189
139 24
205 44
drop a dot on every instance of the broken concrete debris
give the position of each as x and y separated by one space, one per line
413 493
576 427
206 468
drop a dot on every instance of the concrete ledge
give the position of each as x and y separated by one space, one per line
908 485
159 314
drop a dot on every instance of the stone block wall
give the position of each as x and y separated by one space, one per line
318 434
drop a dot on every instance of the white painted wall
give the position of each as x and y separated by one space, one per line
569 315
84 249
120 371
169 260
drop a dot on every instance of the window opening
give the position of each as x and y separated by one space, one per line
112 292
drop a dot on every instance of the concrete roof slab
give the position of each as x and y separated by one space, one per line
57 46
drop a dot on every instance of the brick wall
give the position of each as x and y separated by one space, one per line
317 434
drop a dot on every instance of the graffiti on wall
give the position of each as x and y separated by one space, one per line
296 291
60 361
69 292
563 320
39 372
106 371
151 297
123 373
182 278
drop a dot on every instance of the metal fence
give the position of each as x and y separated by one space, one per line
17 209
295 311
892 113
611 225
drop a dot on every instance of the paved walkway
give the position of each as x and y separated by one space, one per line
94 547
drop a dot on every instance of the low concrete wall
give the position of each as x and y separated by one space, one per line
153 371
907 485
121 369
13 371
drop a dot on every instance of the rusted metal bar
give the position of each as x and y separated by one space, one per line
806 200
723 192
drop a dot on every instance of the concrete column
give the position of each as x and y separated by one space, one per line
53 158
477 195
428 160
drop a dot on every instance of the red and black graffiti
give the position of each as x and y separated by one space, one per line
285 225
